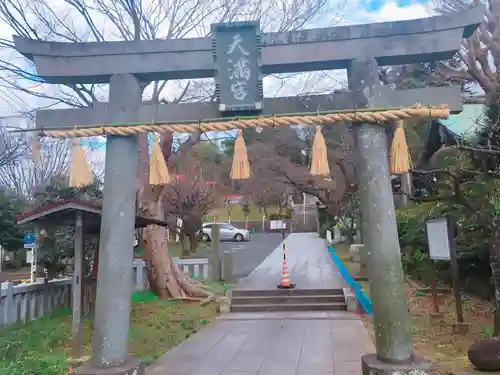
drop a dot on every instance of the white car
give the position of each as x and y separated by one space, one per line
227 232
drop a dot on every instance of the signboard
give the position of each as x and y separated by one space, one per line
29 256
236 53
29 241
277 224
438 239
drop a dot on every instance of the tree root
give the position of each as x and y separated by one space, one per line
187 286
202 301
207 300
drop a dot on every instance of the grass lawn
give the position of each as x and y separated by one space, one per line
41 347
222 213
433 338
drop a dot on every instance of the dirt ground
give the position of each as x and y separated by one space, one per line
433 338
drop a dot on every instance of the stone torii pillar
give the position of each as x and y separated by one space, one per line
114 281
391 319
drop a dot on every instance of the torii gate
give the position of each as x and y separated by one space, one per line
360 49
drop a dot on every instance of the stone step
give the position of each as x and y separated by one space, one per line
286 292
337 306
299 300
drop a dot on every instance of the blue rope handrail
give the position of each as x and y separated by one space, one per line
362 298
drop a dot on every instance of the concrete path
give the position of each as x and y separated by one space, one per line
309 266
280 346
248 255
277 343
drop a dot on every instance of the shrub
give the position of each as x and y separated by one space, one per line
472 241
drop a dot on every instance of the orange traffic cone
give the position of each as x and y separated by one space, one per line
285 279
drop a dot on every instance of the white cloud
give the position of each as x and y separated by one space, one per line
389 12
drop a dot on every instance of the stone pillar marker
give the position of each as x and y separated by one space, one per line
77 288
216 253
391 319
114 282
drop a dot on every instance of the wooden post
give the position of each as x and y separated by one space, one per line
406 187
454 269
216 255
34 253
436 302
77 288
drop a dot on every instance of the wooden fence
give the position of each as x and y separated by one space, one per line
24 302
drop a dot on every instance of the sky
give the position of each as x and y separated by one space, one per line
353 12
365 11
377 5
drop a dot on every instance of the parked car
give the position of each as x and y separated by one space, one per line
227 232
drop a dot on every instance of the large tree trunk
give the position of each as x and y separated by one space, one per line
495 272
164 276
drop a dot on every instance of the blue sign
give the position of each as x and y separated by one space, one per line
29 239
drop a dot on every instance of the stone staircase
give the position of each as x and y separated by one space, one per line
304 218
287 300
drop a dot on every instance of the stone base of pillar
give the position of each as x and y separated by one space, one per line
371 365
131 366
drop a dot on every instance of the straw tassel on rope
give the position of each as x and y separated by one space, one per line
79 171
241 167
319 157
158 171
400 160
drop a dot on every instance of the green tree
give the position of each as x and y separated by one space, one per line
58 190
472 183
11 234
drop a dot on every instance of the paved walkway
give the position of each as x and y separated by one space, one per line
277 343
309 266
